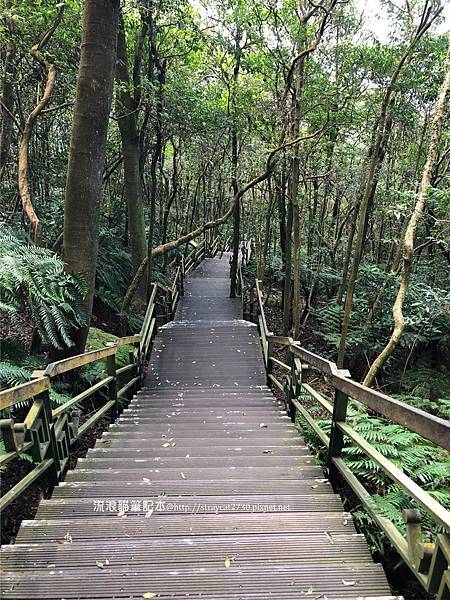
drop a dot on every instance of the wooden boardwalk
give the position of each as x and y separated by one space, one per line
201 489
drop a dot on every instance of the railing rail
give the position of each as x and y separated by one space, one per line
429 562
47 434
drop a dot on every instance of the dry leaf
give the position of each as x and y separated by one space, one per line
166 445
183 476
67 538
149 595
122 514
329 537
348 583
99 564
262 425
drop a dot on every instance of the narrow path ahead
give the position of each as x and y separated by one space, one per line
201 489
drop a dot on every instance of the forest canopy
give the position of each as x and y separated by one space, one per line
129 129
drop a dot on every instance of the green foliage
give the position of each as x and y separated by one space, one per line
33 281
423 462
11 375
113 274
427 318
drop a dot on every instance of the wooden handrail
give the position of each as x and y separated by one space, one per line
22 392
430 573
46 433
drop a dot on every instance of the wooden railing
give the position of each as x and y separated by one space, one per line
47 433
428 561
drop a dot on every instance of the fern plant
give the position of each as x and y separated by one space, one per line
33 283
426 464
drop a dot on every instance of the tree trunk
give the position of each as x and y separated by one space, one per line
6 94
234 164
127 109
22 173
87 146
377 156
408 242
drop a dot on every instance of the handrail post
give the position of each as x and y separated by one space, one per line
112 386
413 521
182 275
292 387
53 444
251 303
269 366
336 436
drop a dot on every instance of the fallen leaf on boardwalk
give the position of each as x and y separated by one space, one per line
329 537
174 444
348 583
122 514
311 590
67 538
267 451
149 595
166 445
228 561
313 487
99 564
183 476
52 566
145 479
262 425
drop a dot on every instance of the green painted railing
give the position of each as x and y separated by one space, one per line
47 433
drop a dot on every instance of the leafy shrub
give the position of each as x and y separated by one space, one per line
427 315
33 281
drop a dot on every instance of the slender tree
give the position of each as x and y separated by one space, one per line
408 240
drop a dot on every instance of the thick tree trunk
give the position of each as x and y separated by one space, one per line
127 109
296 218
87 146
236 215
287 287
408 242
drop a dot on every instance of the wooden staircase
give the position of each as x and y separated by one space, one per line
201 489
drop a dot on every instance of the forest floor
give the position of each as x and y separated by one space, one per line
400 578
